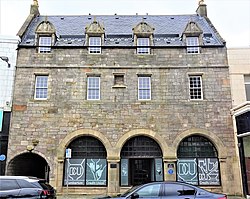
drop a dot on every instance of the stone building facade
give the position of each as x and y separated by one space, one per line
239 62
135 98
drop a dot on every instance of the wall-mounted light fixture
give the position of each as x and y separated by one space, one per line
6 59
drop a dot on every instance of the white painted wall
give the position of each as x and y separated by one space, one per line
8 46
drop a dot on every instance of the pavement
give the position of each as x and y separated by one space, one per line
70 196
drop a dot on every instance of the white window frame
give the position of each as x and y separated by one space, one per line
41 87
247 86
144 88
95 45
45 44
193 45
95 88
195 87
143 41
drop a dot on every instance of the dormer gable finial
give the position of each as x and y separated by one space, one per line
143 29
95 28
35 2
201 2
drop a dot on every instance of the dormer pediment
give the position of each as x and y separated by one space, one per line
143 29
192 29
95 28
45 27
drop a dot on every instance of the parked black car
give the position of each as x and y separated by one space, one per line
169 190
25 187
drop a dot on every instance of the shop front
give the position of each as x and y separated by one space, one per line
242 121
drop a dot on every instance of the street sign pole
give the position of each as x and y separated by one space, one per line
67 177
68 156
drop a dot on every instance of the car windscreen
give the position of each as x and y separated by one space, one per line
129 191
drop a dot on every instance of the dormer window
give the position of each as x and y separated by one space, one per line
45 36
141 42
94 37
44 44
192 45
143 37
192 37
95 45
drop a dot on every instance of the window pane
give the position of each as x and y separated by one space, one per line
195 87
119 80
247 86
150 191
124 172
243 123
196 146
158 169
95 45
208 169
194 42
144 88
8 185
178 190
41 87
143 42
173 190
43 42
74 173
93 88
96 172
187 170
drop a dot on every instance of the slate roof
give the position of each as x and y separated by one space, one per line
168 29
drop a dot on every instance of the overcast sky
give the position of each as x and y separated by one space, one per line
230 17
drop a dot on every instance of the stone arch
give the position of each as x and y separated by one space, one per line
220 147
83 132
143 132
29 164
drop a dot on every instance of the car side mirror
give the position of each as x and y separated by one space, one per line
134 195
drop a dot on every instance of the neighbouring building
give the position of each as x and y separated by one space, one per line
239 62
8 46
131 98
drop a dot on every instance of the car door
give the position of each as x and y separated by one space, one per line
178 191
149 191
9 188
28 190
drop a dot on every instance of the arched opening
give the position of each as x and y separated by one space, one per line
198 161
29 164
88 163
141 161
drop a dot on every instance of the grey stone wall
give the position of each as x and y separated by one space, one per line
169 113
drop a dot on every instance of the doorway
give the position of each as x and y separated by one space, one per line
140 171
244 149
141 161
29 164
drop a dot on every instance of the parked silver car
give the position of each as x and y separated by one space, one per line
169 190
25 187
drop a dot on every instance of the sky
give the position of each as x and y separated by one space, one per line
230 17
